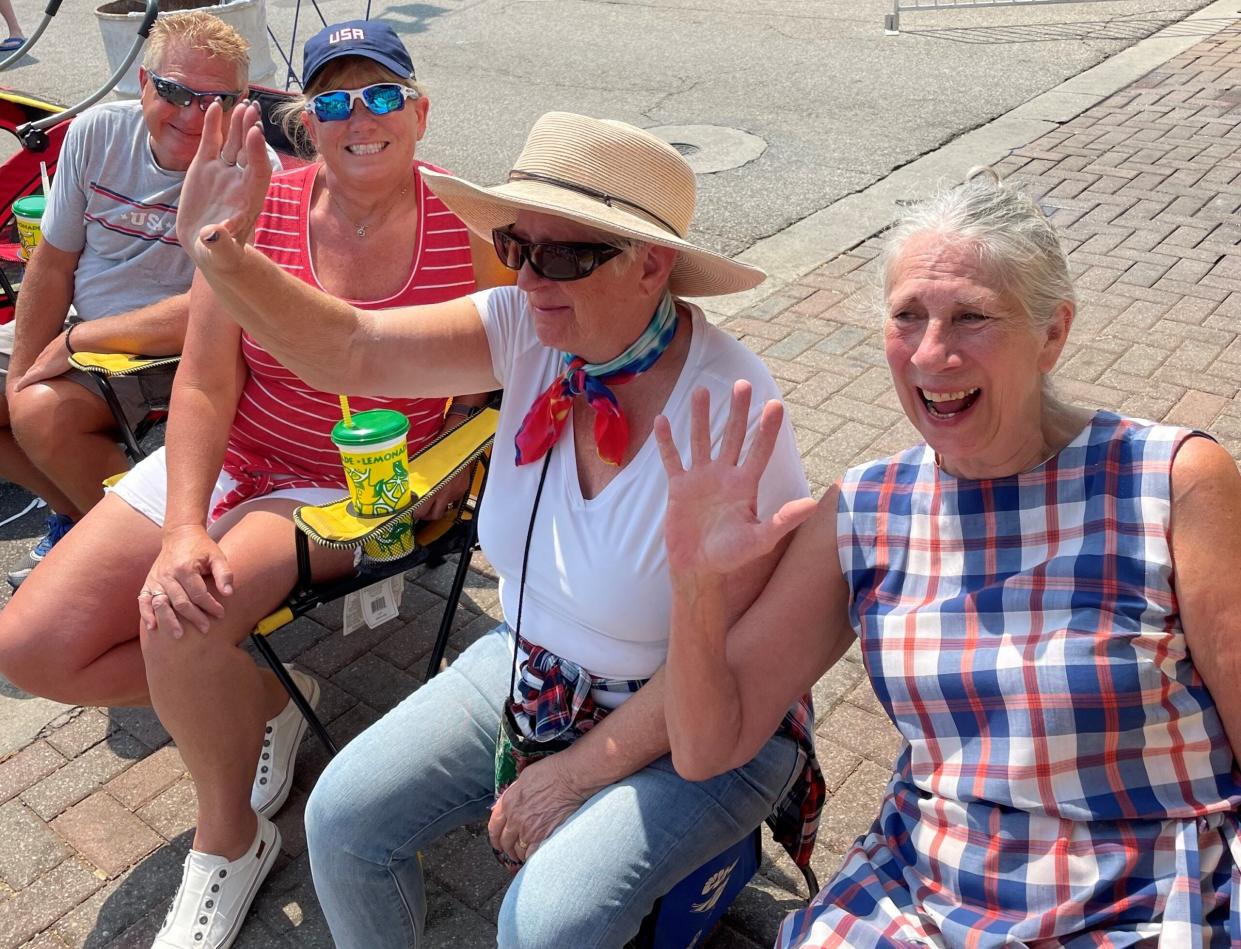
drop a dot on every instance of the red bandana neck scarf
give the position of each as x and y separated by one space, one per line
544 422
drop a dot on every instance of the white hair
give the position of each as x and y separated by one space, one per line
1014 241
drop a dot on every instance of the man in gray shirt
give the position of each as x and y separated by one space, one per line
110 249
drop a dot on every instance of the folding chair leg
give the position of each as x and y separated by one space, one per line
303 706
450 609
132 448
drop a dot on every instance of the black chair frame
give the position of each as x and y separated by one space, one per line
131 438
461 539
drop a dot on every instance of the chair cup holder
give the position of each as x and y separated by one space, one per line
392 541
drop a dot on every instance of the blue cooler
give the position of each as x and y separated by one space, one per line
686 914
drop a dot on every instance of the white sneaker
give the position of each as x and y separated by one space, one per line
216 894
281 737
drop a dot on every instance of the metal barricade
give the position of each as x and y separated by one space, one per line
892 21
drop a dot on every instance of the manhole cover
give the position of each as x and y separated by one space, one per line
711 148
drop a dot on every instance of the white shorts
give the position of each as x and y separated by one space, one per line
145 489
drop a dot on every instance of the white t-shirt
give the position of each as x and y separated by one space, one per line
597 586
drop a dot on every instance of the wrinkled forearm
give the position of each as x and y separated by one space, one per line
625 742
703 709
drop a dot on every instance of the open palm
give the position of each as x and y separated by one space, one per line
712 523
224 187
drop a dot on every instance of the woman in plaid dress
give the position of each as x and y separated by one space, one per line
1043 599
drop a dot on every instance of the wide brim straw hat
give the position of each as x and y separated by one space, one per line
609 176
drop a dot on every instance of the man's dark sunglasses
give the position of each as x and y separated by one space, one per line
181 96
552 260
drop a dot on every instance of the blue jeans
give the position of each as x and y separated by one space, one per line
427 767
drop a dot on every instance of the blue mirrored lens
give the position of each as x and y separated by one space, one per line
331 106
384 98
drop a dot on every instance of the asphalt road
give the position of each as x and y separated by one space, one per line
837 103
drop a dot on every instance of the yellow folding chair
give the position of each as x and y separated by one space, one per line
335 525
104 368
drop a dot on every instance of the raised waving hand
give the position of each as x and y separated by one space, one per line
224 187
712 524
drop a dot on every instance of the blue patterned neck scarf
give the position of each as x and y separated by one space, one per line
544 422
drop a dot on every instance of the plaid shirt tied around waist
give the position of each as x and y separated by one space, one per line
555 695
555 703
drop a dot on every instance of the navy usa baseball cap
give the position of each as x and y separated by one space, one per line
371 39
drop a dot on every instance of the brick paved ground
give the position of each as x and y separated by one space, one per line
96 814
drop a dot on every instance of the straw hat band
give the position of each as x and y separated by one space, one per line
608 176
614 159
609 199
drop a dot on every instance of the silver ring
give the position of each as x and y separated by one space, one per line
155 593
231 164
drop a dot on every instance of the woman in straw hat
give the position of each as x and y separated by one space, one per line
553 724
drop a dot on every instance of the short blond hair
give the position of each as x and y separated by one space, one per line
198 29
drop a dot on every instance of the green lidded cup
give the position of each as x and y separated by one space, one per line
374 455
28 213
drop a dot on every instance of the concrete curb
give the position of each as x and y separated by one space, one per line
816 239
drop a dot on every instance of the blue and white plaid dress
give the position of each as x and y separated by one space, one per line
1066 779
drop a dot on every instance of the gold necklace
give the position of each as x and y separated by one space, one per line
360 229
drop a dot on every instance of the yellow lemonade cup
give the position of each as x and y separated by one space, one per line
376 462
28 214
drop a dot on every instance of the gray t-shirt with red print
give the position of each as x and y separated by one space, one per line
112 202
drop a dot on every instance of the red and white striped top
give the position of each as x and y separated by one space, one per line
281 435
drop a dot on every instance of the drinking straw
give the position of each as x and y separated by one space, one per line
47 182
344 411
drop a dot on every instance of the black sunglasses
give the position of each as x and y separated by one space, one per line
181 96
552 260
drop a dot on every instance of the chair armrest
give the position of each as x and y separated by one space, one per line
437 463
118 364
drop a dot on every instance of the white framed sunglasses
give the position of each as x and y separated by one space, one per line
380 98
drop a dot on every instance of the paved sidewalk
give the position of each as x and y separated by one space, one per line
96 813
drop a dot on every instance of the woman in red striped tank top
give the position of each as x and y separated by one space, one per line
247 442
